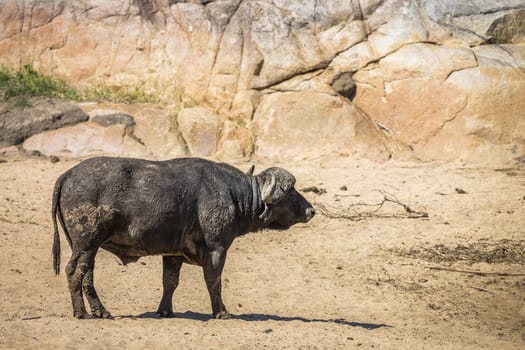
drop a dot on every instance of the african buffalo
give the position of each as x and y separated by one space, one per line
188 210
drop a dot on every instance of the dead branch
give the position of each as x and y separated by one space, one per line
31 318
314 189
483 289
354 213
480 273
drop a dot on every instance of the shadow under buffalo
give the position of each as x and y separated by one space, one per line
190 315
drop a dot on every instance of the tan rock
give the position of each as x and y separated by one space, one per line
11 17
425 61
151 136
438 101
85 139
200 129
236 141
398 31
305 125
316 81
491 127
354 58
243 106
509 28
155 127
342 36
407 91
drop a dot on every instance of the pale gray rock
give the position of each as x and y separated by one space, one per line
23 117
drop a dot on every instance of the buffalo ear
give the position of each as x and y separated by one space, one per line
250 171
275 184
268 189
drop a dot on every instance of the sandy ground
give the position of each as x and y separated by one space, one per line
331 283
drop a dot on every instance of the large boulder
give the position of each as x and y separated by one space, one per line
84 140
449 103
305 125
388 90
23 117
114 129
491 125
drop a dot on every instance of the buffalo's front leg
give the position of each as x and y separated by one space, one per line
170 280
213 265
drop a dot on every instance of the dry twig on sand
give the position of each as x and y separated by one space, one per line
355 213
483 289
480 273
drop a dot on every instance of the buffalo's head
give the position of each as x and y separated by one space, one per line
284 206
292 209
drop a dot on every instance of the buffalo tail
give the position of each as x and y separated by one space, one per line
55 210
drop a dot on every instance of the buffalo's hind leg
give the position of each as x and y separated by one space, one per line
76 269
213 265
170 280
97 309
79 271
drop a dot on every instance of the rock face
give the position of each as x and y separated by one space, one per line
199 129
435 79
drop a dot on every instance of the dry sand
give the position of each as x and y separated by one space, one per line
331 283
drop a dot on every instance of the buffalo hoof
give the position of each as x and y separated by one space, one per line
101 314
223 315
81 315
167 314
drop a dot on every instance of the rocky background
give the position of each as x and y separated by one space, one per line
414 79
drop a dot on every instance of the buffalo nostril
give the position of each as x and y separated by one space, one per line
310 212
